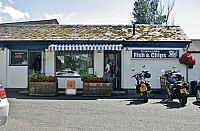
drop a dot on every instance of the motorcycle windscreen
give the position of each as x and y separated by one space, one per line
171 80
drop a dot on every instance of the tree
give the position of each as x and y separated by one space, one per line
153 11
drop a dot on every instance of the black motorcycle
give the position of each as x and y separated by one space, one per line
175 86
142 86
197 87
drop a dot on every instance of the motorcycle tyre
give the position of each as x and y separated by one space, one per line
171 97
183 99
145 97
197 96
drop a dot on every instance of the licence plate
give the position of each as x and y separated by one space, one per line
142 89
183 90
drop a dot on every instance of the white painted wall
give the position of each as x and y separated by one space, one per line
50 64
17 77
12 76
98 63
3 67
194 74
153 65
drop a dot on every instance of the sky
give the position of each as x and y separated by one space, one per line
186 13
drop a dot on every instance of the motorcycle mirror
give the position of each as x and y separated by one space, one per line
133 69
163 71
143 66
174 67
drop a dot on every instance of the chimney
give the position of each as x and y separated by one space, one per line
133 21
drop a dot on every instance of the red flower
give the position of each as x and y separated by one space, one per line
41 80
98 80
85 80
48 80
92 80
33 79
107 81
187 59
52 79
56 79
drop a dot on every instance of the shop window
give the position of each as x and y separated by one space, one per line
18 57
74 63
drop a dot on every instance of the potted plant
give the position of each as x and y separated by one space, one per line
187 59
41 85
96 86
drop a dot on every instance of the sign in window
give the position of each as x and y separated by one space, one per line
18 57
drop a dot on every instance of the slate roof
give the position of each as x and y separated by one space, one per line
194 46
38 22
92 32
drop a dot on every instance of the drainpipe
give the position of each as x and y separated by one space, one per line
187 72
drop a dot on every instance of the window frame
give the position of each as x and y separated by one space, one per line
10 58
72 76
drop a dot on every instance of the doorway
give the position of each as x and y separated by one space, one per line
115 58
35 62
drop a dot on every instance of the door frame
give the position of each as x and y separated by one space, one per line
120 66
42 64
41 55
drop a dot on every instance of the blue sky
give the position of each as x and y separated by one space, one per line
186 13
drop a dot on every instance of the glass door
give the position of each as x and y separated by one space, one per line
113 58
35 62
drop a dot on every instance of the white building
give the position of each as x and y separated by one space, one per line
66 51
194 50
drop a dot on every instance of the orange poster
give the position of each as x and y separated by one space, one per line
71 84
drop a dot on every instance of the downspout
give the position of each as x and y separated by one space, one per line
186 49
6 51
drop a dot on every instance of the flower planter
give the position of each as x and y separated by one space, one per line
96 89
43 88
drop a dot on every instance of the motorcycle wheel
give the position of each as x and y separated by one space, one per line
145 97
198 96
171 97
183 99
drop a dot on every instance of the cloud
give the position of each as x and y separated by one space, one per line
1 4
14 13
62 18
53 16
70 16
2 18
11 1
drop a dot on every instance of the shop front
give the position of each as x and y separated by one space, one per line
73 60
69 51
155 59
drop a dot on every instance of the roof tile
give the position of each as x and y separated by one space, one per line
91 32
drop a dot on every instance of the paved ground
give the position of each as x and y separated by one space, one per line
117 113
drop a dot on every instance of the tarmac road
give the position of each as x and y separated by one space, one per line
116 113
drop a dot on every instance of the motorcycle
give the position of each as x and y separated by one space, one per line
142 86
198 91
175 86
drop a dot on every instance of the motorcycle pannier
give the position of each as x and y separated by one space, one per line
178 77
147 75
